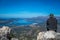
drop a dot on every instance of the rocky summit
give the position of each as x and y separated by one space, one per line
48 35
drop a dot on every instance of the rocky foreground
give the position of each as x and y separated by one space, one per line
44 35
3 33
48 35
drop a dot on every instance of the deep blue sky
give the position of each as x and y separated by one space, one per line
29 8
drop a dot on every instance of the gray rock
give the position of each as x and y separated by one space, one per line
14 39
48 35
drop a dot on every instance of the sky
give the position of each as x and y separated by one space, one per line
28 8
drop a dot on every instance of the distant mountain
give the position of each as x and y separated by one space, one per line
25 21
40 18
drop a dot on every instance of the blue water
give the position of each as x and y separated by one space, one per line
20 22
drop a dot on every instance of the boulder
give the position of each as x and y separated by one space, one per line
48 35
4 30
14 39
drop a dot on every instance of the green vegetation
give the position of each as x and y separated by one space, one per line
28 33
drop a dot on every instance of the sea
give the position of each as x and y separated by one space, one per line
21 21
14 22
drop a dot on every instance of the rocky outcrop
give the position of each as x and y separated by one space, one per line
4 30
14 39
3 33
48 35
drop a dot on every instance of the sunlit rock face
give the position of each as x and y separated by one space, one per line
48 35
4 30
14 39
40 36
3 33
